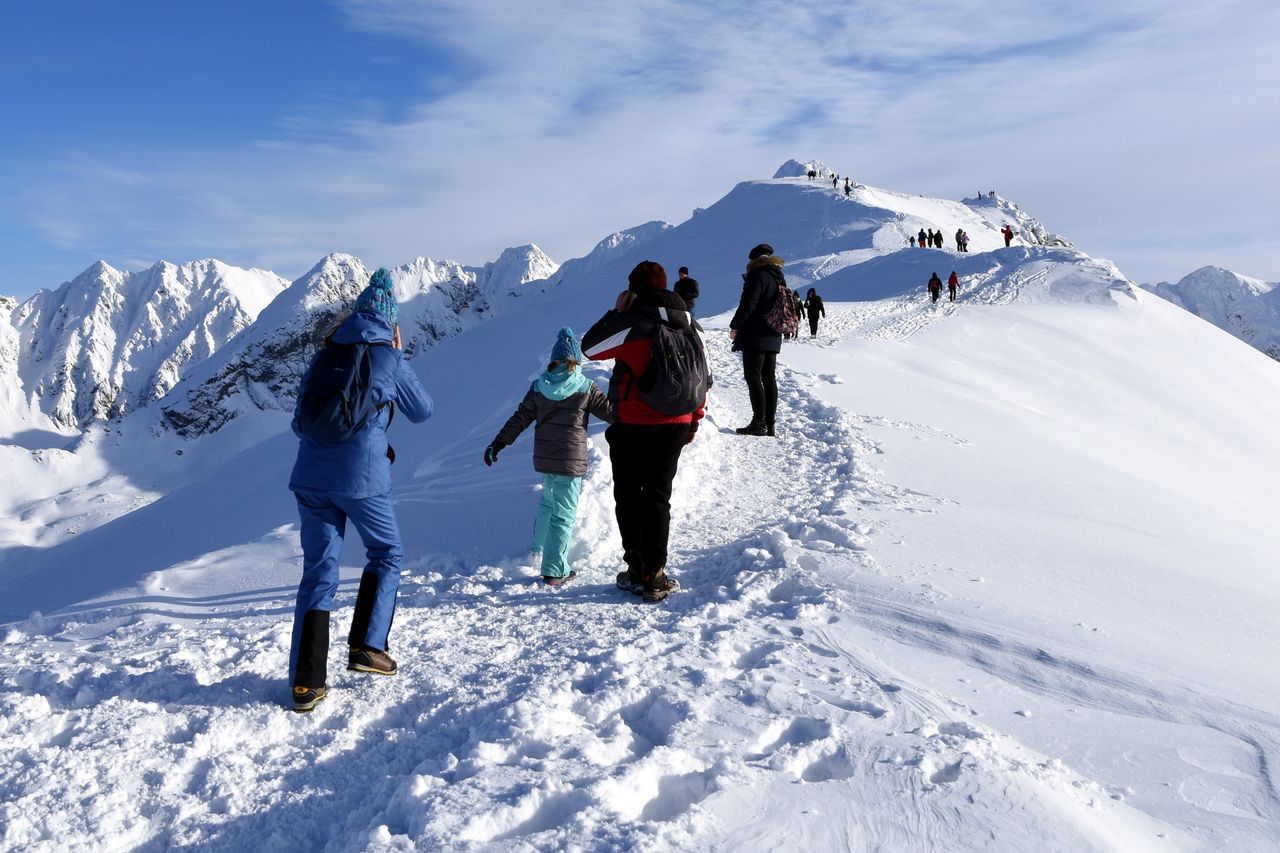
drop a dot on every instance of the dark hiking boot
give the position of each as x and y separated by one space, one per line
658 586
768 429
552 580
630 581
371 660
752 428
306 698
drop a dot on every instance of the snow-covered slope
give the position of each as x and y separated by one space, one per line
262 368
1248 308
108 342
816 229
1003 582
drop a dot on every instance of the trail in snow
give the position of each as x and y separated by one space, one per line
525 716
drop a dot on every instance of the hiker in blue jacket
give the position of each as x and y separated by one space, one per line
351 480
561 402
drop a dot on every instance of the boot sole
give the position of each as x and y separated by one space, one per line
307 706
355 667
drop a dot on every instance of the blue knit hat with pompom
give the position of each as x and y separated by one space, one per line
379 295
566 346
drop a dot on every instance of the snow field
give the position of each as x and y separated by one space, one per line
527 717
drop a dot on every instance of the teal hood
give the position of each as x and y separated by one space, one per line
560 384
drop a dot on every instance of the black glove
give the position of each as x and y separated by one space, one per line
491 453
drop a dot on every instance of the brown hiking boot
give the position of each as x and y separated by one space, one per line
631 582
306 698
658 585
371 660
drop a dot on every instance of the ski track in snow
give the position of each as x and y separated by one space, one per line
528 718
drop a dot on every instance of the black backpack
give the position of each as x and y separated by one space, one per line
336 401
677 378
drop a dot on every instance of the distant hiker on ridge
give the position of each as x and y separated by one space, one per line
343 472
922 237
687 288
935 287
1008 234
812 174
648 323
813 307
762 286
953 282
560 402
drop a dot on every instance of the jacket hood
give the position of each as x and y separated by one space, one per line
560 384
765 261
367 327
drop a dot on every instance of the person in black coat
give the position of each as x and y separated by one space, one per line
813 306
762 284
687 288
935 287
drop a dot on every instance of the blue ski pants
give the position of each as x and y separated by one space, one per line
553 528
324 521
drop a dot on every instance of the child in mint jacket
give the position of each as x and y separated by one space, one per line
561 401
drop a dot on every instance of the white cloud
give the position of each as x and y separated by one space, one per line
1113 122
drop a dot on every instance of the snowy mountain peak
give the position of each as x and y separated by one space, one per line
262 368
1000 211
1246 307
796 169
108 342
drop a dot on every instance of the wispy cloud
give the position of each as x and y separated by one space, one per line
558 122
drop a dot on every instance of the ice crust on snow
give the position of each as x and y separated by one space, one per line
1003 581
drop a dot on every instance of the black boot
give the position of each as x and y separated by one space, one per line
753 428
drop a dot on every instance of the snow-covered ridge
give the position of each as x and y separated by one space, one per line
1246 307
108 342
261 369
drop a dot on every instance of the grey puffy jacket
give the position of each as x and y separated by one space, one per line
560 439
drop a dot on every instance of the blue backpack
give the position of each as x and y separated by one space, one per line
336 401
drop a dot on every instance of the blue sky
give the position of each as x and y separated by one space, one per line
270 133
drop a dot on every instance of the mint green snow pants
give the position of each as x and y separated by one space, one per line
553 529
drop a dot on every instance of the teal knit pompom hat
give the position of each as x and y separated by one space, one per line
566 347
379 296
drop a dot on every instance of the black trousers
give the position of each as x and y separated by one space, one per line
644 460
759 369
813 327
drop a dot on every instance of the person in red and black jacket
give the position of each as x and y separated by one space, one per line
756 339
644 444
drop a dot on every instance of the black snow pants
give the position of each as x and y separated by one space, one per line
759 369
644 459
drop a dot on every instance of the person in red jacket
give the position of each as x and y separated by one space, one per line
953 282
644 444
1008 234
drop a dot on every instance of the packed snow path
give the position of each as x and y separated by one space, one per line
750 710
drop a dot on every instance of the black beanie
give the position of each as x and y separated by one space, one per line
762 249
